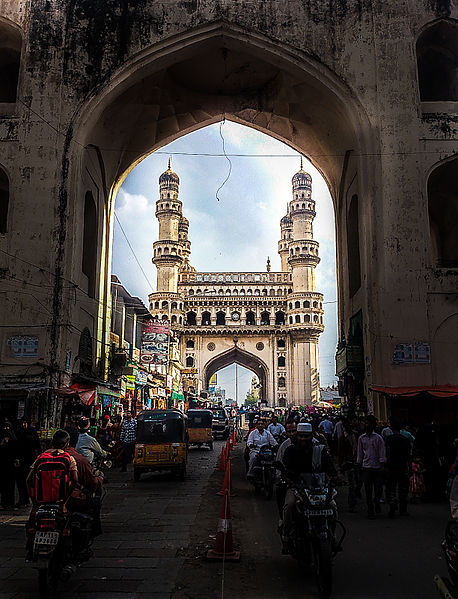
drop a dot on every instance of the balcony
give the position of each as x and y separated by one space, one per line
349 358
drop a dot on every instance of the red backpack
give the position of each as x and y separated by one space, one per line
51 476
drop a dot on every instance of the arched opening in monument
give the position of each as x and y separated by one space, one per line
242 358
437 59
353 253
156 100
443 214
10 60
89 259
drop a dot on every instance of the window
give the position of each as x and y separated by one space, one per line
220 318
257 278
156 305
228 292
165 305
282 382
290 305
298 318
256 292
242 291
89 259
443 214
354 265
279 317
281 343
10 59
199 278
315 304
4 201
191 318
174 319
290 320
281 361
265 318
206 318
190 344
250 318
228 278
307 318
297 304
85 352
306 304
220 278
437 52
189 362
174 305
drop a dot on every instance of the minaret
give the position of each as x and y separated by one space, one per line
168 253
305 305
286 227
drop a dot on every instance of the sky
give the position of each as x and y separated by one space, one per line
233 229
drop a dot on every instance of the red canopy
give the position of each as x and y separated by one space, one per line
435 390
84 392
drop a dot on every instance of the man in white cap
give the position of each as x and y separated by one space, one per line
303 457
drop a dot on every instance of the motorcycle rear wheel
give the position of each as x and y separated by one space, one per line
47 583
323 564
268 484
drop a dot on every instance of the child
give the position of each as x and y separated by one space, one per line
417 483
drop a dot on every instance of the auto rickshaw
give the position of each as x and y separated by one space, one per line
161 443
200 428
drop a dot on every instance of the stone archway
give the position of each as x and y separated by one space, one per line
238 356
161 94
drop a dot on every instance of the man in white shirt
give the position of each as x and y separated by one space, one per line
256 439
275 428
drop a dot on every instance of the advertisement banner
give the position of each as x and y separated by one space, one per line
155 336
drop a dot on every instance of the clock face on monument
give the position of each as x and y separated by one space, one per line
235 316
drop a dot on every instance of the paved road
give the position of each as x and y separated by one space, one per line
146 527
382 559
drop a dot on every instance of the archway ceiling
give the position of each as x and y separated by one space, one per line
236 356
218 78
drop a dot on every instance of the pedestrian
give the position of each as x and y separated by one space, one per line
417 483
371 456
346 459
327 428
28 447
398 451
9 461
87 445
127 437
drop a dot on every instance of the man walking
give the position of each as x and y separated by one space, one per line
397 463
372 457
127 437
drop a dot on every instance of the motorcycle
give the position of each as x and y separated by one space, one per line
449 588
313 539
58 542
264 472
100 465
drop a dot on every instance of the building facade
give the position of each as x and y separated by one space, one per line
267 321
366 90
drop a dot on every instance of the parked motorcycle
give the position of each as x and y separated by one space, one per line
313 540
264 472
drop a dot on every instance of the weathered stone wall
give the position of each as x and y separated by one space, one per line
98 90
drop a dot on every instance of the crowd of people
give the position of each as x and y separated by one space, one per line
20 445
395 463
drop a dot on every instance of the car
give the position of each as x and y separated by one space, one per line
220 424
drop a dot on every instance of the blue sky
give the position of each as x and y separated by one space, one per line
236 232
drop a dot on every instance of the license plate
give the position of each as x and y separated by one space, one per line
46 538
327 512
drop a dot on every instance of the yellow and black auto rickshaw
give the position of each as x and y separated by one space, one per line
161 443
200 428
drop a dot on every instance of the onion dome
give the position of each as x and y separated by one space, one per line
302 180
169 177
286 221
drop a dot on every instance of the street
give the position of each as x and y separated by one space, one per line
156 532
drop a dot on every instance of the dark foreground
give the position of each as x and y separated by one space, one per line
157 531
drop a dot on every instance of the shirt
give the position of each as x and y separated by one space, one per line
397 451
281 450
298 460
258 439
89 447
276 429
327 426
371 450
85 475
128 431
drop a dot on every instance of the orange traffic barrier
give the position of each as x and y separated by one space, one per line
227 482
234 439
222 460
224 548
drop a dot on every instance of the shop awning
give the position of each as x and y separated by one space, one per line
85 393
101 390
177 396
435 391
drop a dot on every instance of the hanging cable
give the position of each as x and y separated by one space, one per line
133 253
227 158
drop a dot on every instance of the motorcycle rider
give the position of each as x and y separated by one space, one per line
276 429
87 445
280 491
258 437
302 457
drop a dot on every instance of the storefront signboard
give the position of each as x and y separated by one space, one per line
23 346
155 341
